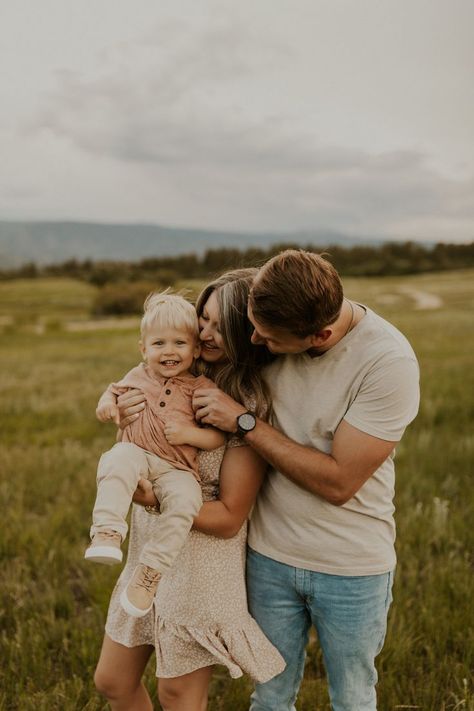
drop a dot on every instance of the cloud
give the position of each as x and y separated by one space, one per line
192 107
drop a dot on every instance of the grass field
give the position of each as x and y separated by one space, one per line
53 605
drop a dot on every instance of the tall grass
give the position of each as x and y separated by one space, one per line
53 605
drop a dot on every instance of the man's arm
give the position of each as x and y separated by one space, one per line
336 477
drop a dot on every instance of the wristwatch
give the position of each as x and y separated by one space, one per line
245 423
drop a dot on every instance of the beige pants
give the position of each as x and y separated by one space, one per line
177 491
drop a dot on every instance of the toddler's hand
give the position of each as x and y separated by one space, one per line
107 412
176 433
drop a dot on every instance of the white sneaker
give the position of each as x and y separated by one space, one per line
105 548
137 598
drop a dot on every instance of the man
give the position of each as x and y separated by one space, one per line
321 539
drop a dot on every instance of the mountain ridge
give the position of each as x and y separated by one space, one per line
51 242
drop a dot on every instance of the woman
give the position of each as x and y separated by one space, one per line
201 616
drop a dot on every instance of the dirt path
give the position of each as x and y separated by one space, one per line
109 324
102 325
423 300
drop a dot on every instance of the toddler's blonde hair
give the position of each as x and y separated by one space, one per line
166 310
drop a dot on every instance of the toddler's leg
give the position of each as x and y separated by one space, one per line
117 476
180 499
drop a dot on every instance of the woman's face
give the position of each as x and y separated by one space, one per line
212 343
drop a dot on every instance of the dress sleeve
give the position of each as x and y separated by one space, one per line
235 441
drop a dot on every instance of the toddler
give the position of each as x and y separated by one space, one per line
161 445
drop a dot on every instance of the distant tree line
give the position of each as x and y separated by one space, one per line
391 258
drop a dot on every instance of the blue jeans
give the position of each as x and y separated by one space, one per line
349 614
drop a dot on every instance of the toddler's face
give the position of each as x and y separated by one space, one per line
169 352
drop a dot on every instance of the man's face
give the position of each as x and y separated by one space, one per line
278 340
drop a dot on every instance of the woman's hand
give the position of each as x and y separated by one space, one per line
130 406
214 407
144 494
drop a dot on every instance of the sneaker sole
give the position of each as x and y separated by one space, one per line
104 554
131 609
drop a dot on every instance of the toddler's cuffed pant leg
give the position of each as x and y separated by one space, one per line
117 477
180 498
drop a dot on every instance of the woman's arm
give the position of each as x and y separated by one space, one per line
241 475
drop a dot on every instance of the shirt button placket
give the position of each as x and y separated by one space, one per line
167 392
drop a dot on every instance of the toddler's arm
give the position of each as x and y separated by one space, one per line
200 437
107 408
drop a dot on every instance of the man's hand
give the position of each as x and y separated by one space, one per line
177 433
107 411
214 407
130 406
144 494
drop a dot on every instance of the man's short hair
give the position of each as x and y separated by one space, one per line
297 291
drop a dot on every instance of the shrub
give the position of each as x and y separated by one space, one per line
123 298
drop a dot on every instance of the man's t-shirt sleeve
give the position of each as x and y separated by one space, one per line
387 400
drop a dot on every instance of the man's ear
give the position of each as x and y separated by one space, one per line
321 338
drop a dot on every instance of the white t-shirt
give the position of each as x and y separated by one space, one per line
370 378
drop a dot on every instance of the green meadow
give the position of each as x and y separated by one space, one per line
54 362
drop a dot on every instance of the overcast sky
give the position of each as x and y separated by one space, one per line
352 115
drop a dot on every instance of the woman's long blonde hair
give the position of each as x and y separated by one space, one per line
240 377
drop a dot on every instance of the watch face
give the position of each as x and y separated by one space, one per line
247 422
